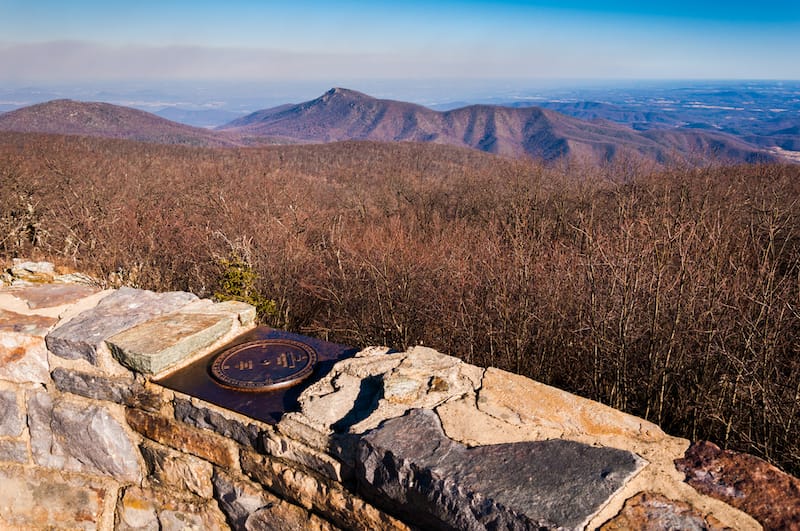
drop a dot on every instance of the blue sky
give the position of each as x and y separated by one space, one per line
81 40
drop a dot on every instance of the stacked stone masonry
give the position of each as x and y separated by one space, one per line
385 440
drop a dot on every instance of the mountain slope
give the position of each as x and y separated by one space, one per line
342 114
67 117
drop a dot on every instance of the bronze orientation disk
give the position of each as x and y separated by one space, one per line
264 365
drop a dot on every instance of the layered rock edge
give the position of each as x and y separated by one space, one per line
385 440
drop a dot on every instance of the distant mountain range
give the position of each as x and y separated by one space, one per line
342 114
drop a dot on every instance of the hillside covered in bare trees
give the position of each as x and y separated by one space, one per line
672 293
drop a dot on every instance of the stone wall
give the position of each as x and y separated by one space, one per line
385 440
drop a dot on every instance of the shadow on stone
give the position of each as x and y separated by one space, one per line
410 468
369 394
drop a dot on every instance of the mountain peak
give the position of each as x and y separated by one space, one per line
339 92
345 114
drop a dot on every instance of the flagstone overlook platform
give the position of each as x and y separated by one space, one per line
379 440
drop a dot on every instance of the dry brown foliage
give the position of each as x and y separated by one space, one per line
671 294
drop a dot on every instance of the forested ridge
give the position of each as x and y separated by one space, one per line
670 293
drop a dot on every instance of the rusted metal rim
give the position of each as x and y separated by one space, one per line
264 365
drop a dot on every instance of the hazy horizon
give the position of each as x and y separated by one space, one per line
86 41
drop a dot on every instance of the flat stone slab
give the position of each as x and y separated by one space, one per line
80 337
245 313
32 325
168 339
555 413
50 295
410 467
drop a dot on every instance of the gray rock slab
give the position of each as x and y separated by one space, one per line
95 441
164 341
40 414
80 337
121 390
410 467
82 439
21 267
11 422
201 417
112 389
50 295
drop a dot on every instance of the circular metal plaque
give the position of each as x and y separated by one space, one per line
264 365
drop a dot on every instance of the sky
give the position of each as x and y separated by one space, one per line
84 41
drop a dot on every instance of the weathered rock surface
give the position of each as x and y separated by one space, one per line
244 313
160 343
135 510
655 512
72 436
201 443
94 441
159 510
201 417
80 337
121 390
410 466
361 392
11 421
555 413
40 414
438 442
13 451
38 499
175 470
49 295
32 325
744 481
311 492
23 358
247 506
285 517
